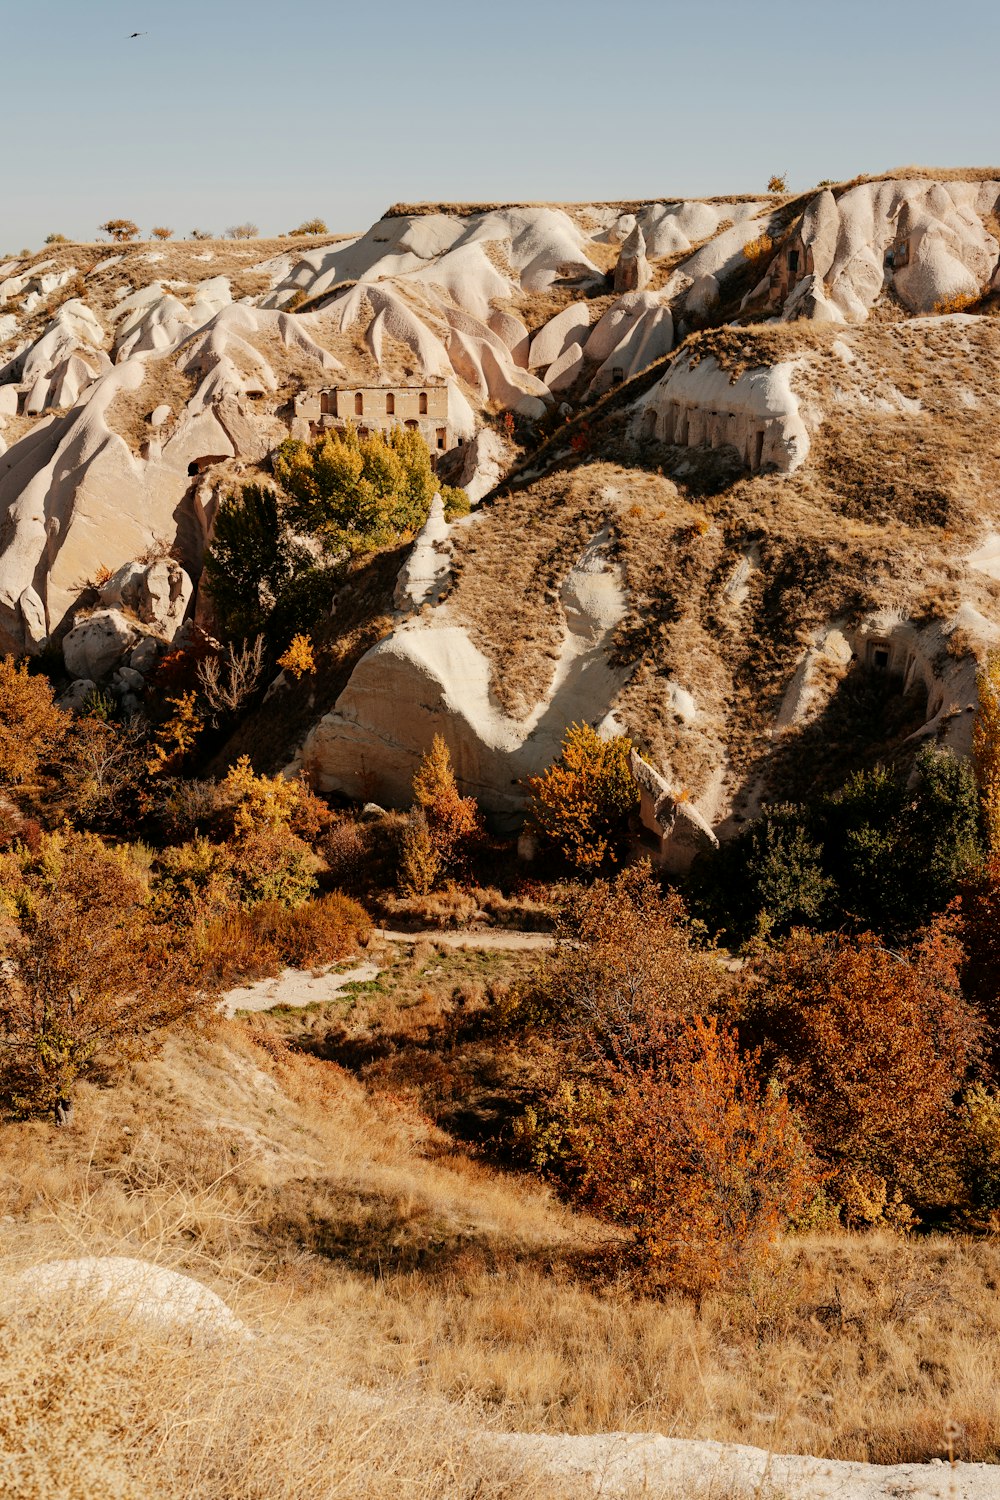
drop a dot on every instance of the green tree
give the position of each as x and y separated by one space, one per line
359 494
769 878
252 558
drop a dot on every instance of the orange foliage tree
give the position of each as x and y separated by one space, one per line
89 976
871 1045
702 1163
630 963
582 802
445 827
31 726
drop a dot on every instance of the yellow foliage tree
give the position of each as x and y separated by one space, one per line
986 746
447 824
582 802
298 659
260 801
176 737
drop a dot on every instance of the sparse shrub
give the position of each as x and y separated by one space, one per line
245 231
581 804
777 182
56 239
202 234
759 250
228 681
161 232
120 230
311 226
176 736
960 302
298 659
979 1134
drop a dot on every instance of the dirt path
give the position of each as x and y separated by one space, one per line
496 940
296 987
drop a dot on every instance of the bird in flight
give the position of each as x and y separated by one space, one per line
134 34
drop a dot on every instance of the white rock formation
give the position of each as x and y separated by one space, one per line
131 1289
757 413
429 678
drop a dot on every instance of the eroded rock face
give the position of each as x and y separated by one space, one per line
757 413
158 593
429 678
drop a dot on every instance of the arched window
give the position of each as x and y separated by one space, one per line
422 408
390 405
359 405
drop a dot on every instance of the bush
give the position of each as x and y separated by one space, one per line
319 932
120 230
31 726
768 879
631 968
581 804
881 855
311 226
700 1162
89 976
161 232
871 1045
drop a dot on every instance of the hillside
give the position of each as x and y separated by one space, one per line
749 446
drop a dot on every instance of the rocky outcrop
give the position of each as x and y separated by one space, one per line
756 413
429 678
632 272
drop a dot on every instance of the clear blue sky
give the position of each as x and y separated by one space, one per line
278 110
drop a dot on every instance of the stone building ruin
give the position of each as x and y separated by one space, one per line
380 408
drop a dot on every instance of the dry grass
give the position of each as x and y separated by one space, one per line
355 1239
623 206
162 382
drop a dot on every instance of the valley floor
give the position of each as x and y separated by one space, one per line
369 1253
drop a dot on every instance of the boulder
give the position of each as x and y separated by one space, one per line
8 400
159 415
98 643
74 699
158 593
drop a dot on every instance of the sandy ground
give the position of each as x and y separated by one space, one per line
296 987
610 1464
487 940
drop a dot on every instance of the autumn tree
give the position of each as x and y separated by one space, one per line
631 968
161 232
120 230
702 1163
32 727
311 226
453 821
358 494
581 804
871 1045
88 978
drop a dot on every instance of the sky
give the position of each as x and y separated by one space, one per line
275 111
